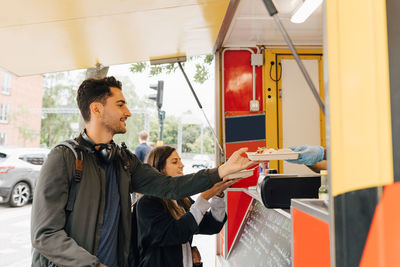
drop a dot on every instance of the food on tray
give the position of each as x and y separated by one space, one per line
285 150
263 150
264 154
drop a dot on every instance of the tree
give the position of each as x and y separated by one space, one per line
191 135
208 142
202 64
25 131
59 91
170 130
190 132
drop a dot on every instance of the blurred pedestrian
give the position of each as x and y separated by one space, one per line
143 148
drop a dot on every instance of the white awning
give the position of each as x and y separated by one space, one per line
44 36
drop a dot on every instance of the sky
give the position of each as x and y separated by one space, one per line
178 97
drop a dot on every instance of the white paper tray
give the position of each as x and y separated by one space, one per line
241 174
273 156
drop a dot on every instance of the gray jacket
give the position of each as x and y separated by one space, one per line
73 240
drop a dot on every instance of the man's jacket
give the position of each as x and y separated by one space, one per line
72 240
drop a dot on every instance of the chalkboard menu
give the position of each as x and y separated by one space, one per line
263 240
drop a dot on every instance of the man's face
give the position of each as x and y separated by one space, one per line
115 112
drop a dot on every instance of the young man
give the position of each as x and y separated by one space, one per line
97 231
143 148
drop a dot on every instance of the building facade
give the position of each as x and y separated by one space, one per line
20 109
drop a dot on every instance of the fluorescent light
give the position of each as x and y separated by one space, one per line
306 9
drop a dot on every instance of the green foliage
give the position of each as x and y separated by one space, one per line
201 75
169 68
18 118
153 134
155 70
171 131
57 127
191 135
138 67
170 134
190 132
59 91
208 59
208 142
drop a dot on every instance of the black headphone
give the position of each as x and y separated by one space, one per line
105 152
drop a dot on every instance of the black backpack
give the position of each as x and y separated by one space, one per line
77 150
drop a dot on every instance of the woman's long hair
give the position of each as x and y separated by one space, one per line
157 158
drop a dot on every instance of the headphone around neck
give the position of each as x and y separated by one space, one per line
105 152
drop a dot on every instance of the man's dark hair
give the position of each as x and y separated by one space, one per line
94 90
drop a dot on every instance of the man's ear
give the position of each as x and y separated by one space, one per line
96 109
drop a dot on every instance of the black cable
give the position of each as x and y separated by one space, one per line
270 70
190 85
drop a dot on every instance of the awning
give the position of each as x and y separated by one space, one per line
52 35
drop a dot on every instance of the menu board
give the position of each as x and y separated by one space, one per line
263 240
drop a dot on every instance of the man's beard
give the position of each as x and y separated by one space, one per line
114 128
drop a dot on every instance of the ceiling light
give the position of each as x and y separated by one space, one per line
306 9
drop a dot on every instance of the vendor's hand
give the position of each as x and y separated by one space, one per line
235 163
218 188
309 155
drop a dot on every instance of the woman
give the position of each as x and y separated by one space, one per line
166 227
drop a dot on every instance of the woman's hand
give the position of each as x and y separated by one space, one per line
218 188
235 163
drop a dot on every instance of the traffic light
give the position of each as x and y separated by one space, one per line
158 97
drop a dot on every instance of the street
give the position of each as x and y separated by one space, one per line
15 245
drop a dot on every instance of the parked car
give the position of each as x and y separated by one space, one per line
19 169
201 161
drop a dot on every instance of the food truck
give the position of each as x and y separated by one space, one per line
348 52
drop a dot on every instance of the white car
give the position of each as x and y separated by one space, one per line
201 161
19 169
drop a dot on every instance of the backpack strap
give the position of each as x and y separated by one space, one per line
125 156
73 190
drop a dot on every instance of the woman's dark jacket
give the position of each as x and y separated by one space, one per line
160 236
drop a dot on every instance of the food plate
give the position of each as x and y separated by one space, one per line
241 174
273 156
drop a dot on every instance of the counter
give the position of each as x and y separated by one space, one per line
276 237
310 228
263 237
